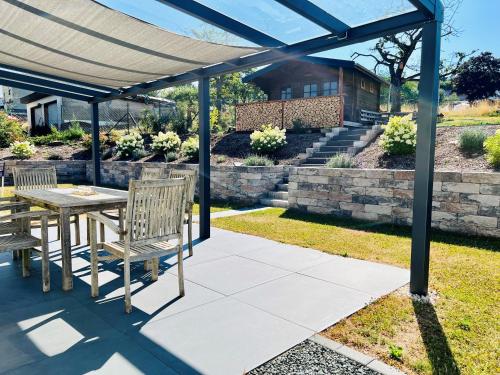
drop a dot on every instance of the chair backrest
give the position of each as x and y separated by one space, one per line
155 210
2 168
154 173
191 179
34 178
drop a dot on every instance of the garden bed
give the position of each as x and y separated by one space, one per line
448 155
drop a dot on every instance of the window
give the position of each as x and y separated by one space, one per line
310 90
372 87
363 84
286 93
330 88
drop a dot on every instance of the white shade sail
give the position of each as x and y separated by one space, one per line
86 41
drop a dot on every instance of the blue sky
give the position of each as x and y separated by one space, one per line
477 19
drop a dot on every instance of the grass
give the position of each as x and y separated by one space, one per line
460 333
469 121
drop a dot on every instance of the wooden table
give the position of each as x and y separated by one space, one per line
67 203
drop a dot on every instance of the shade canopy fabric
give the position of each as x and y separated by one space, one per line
85 41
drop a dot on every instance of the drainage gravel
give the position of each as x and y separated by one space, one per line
309 358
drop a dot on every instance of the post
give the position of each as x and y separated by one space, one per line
96 147
204 156
340 91
424 167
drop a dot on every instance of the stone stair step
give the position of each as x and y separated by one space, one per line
278 195
282 187
340 142
314 160
333 148
274 202
324 154
347 137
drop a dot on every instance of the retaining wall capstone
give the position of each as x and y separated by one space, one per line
462 202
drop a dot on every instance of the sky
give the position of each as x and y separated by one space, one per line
477 20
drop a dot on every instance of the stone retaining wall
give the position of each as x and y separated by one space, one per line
462 202
240 184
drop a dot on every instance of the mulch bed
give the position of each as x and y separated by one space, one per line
448 155
63 152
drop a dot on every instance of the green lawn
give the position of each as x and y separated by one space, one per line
460 333
470 120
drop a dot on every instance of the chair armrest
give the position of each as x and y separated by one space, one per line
27 214
13 206
7 199
104 220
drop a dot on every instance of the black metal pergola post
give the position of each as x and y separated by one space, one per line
424 166
204 156
96 147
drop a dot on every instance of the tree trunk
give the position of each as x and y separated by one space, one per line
395 95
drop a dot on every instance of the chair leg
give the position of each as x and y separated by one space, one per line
102 233
78 240
180 271
126 277
190 233
45 255
94 283
88 231
154 269
147 265
58 230
16 255
26 262
121 222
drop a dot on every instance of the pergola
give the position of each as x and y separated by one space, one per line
83 50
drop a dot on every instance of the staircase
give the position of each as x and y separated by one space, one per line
350 139
278 197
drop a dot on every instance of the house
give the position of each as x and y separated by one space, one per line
12 100
45 110
316 77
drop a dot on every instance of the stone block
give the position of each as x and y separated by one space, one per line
448 176
445 196
379 192
339 197
483 199
483 221
403 193
379 173
398 184
381 210
351 206
481 177
402 212
364 182
489 189
355 190
460 187
369 216
489 211
440 216
459 208
352 172
404 175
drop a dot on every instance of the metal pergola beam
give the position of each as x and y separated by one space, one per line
96 147
58 85
428 7
424 165
355 35
223 22
316 14
43 89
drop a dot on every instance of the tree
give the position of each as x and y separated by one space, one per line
186 100
395 54
479 77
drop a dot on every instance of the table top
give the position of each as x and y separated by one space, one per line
67 197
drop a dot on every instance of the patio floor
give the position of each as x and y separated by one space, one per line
247 300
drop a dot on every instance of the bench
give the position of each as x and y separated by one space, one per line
2 173
372 118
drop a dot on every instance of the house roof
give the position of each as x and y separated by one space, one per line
334 63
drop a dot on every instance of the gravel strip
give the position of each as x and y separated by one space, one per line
313 359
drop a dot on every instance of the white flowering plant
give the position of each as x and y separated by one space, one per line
165 143
268 139
129 145
190 147
400 136
22 150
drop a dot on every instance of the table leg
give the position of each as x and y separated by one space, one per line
67 272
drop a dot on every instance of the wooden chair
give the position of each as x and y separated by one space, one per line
20 239
154 173
154 218
191 177
43 178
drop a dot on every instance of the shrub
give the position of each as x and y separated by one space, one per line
220 159
87 141
492 148
257 161
190 148
400 136
341 161
10 130
22 150
299 125
54 157
170 156
163 143
130 145
267 140
73 133
471 141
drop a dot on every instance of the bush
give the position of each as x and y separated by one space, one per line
73 133
22 150
257 161
299 126
163 143
220 159
10 130
130 145
396 352
341 161
471 141
400 136
492 148
54 157
170 156
87 141
267 140
190 148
